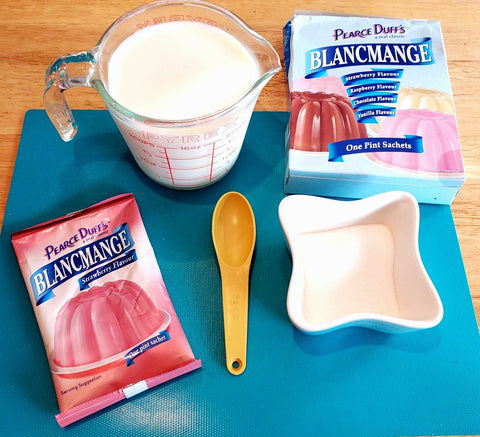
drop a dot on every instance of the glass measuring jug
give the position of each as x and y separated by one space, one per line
183 153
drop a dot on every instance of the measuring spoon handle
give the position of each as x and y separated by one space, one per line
235 282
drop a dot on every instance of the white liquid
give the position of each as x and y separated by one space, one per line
180 70
348 270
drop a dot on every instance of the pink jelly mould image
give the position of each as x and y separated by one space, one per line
325 84
441 146
108 325
318 119
116 317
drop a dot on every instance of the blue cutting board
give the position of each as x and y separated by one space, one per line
349 382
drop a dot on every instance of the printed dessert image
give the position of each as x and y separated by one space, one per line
423 98
324 84
417 98
441 145
97 325
318 119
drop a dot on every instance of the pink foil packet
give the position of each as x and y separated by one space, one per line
108 325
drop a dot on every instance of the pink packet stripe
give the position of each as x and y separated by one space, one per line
86 409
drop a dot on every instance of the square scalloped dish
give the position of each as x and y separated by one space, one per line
357 263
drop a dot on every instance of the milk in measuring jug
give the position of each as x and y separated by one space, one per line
180 70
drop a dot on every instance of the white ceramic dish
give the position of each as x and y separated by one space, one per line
357 263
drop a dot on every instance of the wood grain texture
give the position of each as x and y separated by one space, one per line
34 33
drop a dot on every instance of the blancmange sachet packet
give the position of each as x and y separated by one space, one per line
371 108
108 325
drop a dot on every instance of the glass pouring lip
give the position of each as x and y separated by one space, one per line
186 122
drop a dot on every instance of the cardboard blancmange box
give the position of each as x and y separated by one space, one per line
371 108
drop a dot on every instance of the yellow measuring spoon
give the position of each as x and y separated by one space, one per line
233 234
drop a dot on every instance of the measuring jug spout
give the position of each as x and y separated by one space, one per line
268 61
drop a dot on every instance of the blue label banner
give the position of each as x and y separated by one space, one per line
417 52
373 99
373 87
118 263
375 74
411 144
160 338
99 253
369 114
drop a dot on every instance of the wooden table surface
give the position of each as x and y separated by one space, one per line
33 33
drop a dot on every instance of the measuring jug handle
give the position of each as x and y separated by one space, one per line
66 72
